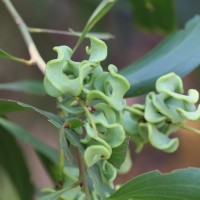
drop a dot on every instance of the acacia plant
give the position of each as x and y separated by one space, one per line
95 124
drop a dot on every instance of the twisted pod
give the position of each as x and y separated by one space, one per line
162 114
84 86
93 105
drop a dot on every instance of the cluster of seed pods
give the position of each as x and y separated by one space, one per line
94 108
162 114
92 101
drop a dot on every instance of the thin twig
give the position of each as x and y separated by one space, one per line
61 155
26 62
189 128
103 36
91 120
33 51
82 175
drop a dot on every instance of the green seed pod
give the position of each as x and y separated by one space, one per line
95 153
151 114
66 77
193 116
126 165
114 134
108 172
163 114
161 141
55 81
110 87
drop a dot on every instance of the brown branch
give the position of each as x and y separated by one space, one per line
82 175
33 51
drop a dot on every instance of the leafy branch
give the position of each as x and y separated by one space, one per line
99 129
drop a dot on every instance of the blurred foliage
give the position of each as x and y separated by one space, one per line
177 53
12 161
153 15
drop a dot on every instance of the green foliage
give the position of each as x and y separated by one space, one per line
7 106
95 123
99 12
179 184
46 154
177 53
27 86
8 56
96 97
64 194
7 188
16 179
20 133
150 15
100 95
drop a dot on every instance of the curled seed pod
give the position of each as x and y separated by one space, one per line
160 140
97 50
110 114
126 165
151 114
93 139
56 82
108 172
66 77
110 87
95 153
71 106
131 124
84 85
193 115
163 113
171 84
114 134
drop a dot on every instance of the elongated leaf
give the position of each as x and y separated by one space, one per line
11 106
27 86
47 155
6 55
54 119
178 185
7 188
99 12
151 15
12 161
23 135
7 106
93 172
179 53
74 139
